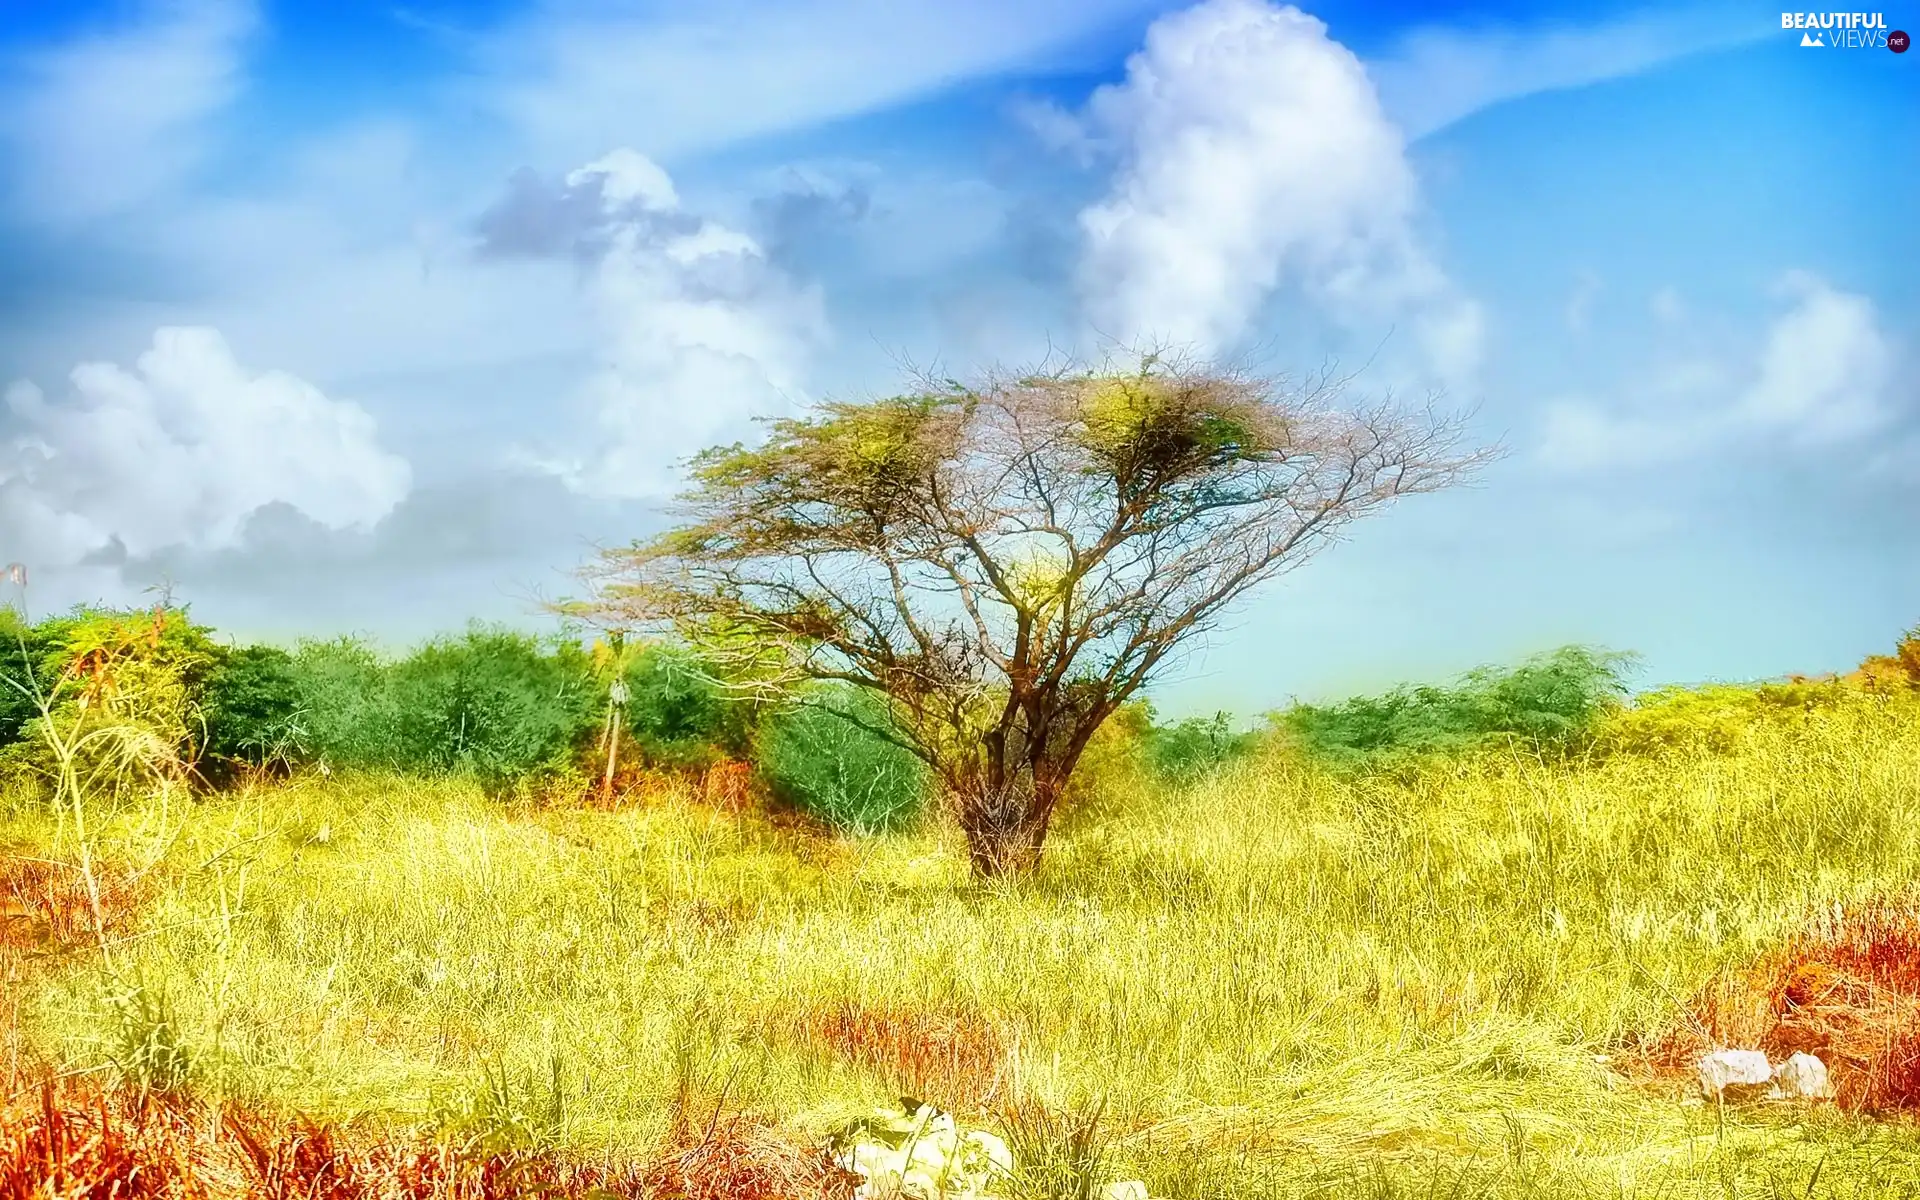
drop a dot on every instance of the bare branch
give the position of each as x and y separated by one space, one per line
1007 562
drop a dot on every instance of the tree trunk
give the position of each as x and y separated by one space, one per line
613 751
1005 826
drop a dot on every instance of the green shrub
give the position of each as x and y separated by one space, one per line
822 756
493 704
675 711
25 652
1189 749
101 700
349 716
252 712
1549 702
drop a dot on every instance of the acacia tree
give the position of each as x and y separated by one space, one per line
1005 564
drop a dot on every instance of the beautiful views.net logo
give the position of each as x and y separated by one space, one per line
1851 31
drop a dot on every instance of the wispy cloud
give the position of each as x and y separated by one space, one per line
1826 371
1437 76
573 79
1586 289
1822 377
104 123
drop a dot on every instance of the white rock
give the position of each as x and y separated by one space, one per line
1803 1077
1735 1075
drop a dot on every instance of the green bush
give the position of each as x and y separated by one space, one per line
25 652
105 699
494 704
675 711
1187 750
252 712
1550 702
349 716
33 656
822 756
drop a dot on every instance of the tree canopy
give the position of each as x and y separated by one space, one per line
1006 562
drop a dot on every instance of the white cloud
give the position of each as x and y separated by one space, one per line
1826 369
672 80
1586 289
1437 76
180 452
699 332
1822 376
1254 152
625 177
1579 435
102 124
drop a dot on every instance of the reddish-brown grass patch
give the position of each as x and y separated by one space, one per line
745 1158
46 911
1845 988
955 1058
728 785
58 1143
72 1141
47 906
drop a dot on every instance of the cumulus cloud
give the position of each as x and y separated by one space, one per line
178 453
1826 370
698 330
102 123
1821 377
582 215
1253 153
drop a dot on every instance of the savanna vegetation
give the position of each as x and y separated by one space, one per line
1004 564
677 914
1451 940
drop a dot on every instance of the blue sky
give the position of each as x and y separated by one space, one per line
361 316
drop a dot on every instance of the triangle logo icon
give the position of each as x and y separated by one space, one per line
1811 39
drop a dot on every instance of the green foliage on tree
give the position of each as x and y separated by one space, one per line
1005 564
678 712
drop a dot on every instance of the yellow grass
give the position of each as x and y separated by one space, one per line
1282 983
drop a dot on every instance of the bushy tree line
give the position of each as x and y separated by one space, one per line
501 706
510 709
1572 701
